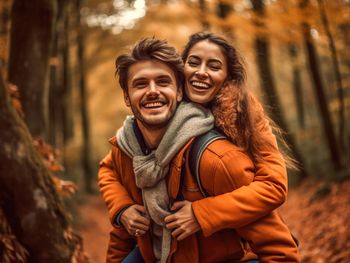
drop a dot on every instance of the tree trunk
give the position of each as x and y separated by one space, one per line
67 110
298 95
60 90
27 193
31 35
5 8
203 15
262 48
86 160
223 10
312 58
337 74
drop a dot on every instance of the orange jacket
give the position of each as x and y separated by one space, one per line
225 218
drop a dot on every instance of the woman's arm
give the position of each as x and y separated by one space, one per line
227 174
270 239
113 192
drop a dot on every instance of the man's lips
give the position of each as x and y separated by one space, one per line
152 104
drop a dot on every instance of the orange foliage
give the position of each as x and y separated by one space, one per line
12 250
50 157
78 255
14 94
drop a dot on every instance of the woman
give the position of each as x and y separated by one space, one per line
215 78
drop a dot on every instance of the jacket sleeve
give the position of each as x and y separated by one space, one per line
270 239
113 192
244 209
236 200
120 245
253 199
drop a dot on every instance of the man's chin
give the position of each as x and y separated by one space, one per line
155 123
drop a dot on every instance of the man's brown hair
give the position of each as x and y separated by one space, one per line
150 49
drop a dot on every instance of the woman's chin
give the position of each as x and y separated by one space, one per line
200 99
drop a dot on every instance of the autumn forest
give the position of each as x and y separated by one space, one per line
60 102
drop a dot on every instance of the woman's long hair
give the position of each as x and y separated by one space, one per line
237 112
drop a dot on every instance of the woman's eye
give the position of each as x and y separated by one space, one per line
193 63
214 67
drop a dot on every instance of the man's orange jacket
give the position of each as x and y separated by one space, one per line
239 212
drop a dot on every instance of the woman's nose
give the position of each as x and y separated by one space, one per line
201 73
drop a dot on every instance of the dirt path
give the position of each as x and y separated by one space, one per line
94 228
319 216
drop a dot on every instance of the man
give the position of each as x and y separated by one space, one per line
146 175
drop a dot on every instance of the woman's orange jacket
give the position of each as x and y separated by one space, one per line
239 211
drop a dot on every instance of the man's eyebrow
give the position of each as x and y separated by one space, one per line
164 76
138 79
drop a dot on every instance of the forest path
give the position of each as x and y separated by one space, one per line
317 215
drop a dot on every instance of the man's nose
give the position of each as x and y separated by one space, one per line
153 89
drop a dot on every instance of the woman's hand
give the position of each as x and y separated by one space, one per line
183 223
135 221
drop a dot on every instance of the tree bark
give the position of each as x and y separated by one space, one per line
86 160
223 10
262 48
60 129
27 193
298 94
203 15
337 73
312 58
31 35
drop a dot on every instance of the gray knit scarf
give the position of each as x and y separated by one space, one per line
190 120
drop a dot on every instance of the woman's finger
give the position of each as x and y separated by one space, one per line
172 225
176 232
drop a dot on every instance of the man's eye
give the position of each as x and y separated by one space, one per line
163 82
140 85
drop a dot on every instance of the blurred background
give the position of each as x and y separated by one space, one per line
57 65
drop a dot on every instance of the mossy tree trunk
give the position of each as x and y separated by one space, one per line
27 193
30 51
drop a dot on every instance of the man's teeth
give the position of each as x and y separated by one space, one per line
200 84
153 104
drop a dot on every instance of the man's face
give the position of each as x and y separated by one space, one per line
152 93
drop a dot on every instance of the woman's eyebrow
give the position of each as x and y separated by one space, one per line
215 60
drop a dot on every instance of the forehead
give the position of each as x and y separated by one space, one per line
149 69
205 49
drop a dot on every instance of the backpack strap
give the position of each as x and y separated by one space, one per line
200 143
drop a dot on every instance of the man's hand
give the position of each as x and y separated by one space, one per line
183 223
134 220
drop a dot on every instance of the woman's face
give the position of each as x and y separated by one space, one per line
205 71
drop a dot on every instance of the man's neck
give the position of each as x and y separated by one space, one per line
152 137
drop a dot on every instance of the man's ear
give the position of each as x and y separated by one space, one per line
126 98
179 94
